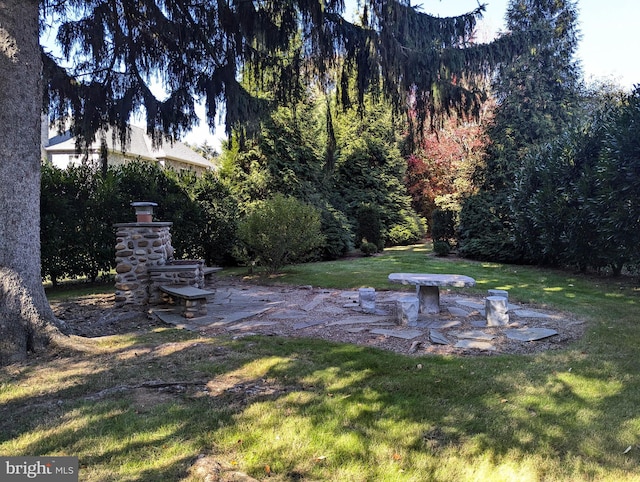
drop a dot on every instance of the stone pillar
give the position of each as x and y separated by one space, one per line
407 310
429 297
497 308
139 246
367 299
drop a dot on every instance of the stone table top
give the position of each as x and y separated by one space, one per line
420 279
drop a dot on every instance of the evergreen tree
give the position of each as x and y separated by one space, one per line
536 98
26 319
113 51
619 185
369 176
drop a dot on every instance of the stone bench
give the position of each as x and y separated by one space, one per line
193 299
209 271
427 286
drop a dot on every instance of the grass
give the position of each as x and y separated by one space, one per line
297 409
77 288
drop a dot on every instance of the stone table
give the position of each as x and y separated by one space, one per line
428 286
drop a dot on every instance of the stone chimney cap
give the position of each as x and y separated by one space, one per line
144 211
141 204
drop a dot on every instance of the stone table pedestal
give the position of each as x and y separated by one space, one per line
428 286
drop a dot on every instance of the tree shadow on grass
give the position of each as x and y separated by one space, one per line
145 406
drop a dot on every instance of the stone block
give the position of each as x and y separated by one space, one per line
503 293
407 310
123 268
367 299
497 309
127 287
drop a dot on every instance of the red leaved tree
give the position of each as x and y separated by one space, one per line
439 172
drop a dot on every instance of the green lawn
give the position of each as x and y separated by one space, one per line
292 409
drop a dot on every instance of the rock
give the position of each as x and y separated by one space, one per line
475 335
530 334
475 345
404 334
438 338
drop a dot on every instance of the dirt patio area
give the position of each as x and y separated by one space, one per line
334 315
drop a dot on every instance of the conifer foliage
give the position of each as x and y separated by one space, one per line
536 97
114 50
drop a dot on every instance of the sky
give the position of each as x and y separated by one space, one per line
608 48
608 29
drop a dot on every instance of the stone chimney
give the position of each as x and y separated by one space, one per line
140 246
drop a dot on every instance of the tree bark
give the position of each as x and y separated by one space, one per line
27 322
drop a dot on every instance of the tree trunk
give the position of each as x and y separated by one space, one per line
26 319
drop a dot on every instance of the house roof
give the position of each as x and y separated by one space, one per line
139 145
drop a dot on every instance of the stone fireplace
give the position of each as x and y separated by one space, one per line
144 260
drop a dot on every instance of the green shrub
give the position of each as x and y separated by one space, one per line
280 231
441 248
443 225
219 220
485 230
337 233
411 231
367 248
77 238
369 225
55 217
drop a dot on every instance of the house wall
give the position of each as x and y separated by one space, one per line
62 161
183 166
